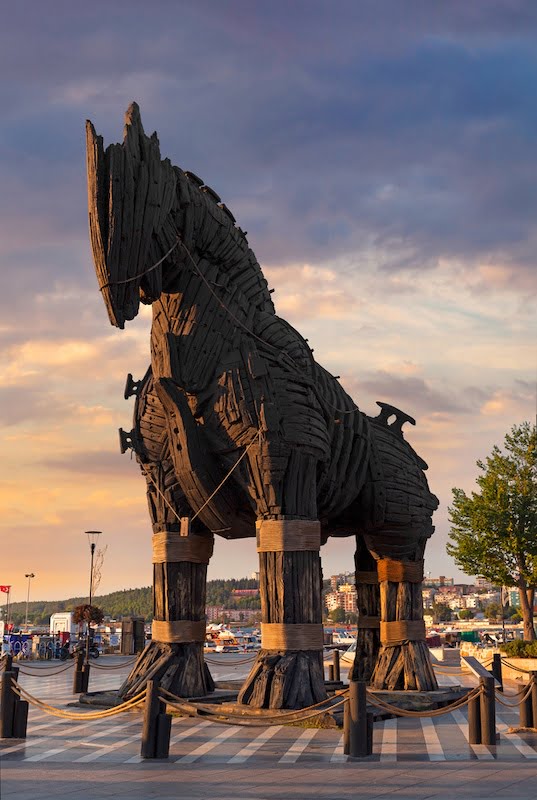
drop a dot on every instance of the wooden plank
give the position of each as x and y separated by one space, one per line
478 669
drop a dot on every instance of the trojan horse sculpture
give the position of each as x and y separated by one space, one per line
240 433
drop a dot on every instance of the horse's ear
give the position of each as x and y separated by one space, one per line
133 132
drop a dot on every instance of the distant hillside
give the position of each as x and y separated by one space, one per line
126 603
137 602
133 602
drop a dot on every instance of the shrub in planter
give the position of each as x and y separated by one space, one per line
520 649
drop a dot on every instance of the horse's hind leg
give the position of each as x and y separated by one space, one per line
397 511
288 672
367 602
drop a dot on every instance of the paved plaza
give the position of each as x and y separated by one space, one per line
419 758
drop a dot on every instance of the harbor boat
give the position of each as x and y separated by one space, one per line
220 639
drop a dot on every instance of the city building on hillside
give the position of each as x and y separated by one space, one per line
440 581
428 597
483 583
221 614
342 578
513 596
245 592
344 600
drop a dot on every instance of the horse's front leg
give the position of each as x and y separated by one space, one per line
288 672
175 653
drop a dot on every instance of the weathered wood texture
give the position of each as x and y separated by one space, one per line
290 586
179 593
229 378
368 605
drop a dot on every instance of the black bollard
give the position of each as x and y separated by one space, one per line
497 669
8 700
156 726
474 720
525 708
84 677
337 669
533 697
488 711
77 676
331 673
346 728
358 739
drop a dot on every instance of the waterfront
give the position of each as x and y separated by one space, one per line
97 759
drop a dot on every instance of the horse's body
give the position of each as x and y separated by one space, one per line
237 427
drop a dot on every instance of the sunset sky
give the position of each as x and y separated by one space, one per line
382 157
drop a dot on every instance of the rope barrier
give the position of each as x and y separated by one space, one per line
207 708
228 719
230 664
252 720
527 693
115 666
45 671
438 712
517 668
135 701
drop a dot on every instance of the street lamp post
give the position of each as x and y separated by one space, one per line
28 575
92 539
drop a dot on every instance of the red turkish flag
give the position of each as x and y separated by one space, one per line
5 589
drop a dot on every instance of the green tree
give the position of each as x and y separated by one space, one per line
493 611
337 615
494 530
441 612
466 613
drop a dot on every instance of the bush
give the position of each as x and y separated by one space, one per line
520 649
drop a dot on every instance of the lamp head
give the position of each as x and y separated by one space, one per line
92 538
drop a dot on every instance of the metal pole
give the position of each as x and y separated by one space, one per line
28 575
92 549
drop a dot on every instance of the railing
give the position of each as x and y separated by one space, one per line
357 724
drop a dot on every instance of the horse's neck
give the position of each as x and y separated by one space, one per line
211 239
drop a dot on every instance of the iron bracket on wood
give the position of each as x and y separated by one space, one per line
132 387
127 440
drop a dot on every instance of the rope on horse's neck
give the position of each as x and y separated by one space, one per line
219 301
233 317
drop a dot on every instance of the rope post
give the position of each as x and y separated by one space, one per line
84 677
346 728
525 708
20 719
8 700
533 695
157 724
488 711
331 673
358 739
474 720
77 676
337 670
497 669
